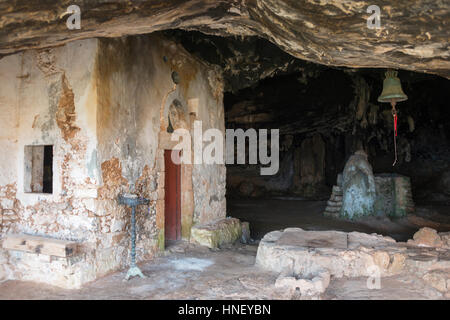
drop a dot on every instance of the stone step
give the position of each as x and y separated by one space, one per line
337 188
333 209
332 203
331 214
336 198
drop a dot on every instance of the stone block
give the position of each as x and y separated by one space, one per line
303 253
427 237
334 203
333 209
40 245
217 233
331 214
337 190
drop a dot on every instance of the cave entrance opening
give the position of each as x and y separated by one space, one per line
325 115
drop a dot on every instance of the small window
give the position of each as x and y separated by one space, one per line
38 169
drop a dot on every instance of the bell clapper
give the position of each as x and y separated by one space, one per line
394 114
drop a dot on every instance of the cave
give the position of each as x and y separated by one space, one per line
321 125
229 150
324 115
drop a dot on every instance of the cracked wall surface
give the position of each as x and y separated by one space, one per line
98 103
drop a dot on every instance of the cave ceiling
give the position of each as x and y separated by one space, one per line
414 34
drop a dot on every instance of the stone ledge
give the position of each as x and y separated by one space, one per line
40 245
299 252
217 233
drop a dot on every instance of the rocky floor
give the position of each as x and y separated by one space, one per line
355 262
308 215
193 272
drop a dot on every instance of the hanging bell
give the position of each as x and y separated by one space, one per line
392 89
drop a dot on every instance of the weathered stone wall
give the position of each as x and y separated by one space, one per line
100 104
135 92
209 180
301 172
342 108
50 100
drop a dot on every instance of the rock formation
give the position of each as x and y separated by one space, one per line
361 193
327 32
358 186
306 259
341 107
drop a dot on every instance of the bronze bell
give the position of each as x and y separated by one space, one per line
392 88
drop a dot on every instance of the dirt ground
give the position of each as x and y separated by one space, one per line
193 272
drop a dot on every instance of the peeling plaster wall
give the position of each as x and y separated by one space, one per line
128 125
9 122
101 104
135 91
50 100
209 180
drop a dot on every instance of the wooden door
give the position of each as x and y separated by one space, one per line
172 197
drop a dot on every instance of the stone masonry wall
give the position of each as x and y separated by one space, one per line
50 100
99 103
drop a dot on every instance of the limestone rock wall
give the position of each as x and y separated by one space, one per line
341 107
413 34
